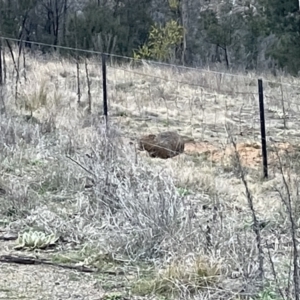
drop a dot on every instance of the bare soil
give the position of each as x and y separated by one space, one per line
19 281
250 154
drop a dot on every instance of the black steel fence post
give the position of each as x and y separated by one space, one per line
263 127
104 86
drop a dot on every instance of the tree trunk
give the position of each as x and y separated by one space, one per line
226 57
217 56
183 20
56 23
65 10
1 77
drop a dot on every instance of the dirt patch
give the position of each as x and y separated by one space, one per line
250 153
18 281
200 148
45 282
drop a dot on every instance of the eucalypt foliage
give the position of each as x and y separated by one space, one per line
162 42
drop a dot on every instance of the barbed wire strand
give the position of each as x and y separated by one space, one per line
183 82
141 60
269 100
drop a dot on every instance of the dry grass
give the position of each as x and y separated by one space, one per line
174 228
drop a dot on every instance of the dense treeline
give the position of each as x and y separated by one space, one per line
238 34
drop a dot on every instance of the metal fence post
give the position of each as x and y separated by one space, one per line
104 86
263 127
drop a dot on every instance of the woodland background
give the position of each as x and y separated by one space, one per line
243 35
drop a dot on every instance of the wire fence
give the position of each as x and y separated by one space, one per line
194 103
147 97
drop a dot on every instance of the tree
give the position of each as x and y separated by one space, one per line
33 20
15 17
221 28
179 13
162 42
283 20
255 25
113 29
51 16
94 28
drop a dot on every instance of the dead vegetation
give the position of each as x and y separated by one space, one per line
179 228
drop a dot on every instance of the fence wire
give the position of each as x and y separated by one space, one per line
147 97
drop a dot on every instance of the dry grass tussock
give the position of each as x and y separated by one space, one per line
175 228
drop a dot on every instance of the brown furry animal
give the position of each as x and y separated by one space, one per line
163 145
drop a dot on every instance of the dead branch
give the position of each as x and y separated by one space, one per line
78 79
89 87
1 72
12 55
288 204
18 71
24 64
80 165
26 260
256 224
4 65
274 273
283 107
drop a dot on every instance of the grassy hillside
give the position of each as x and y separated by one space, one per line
178 228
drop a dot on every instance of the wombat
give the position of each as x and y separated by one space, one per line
163 145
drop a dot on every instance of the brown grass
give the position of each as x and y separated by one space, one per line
115 208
